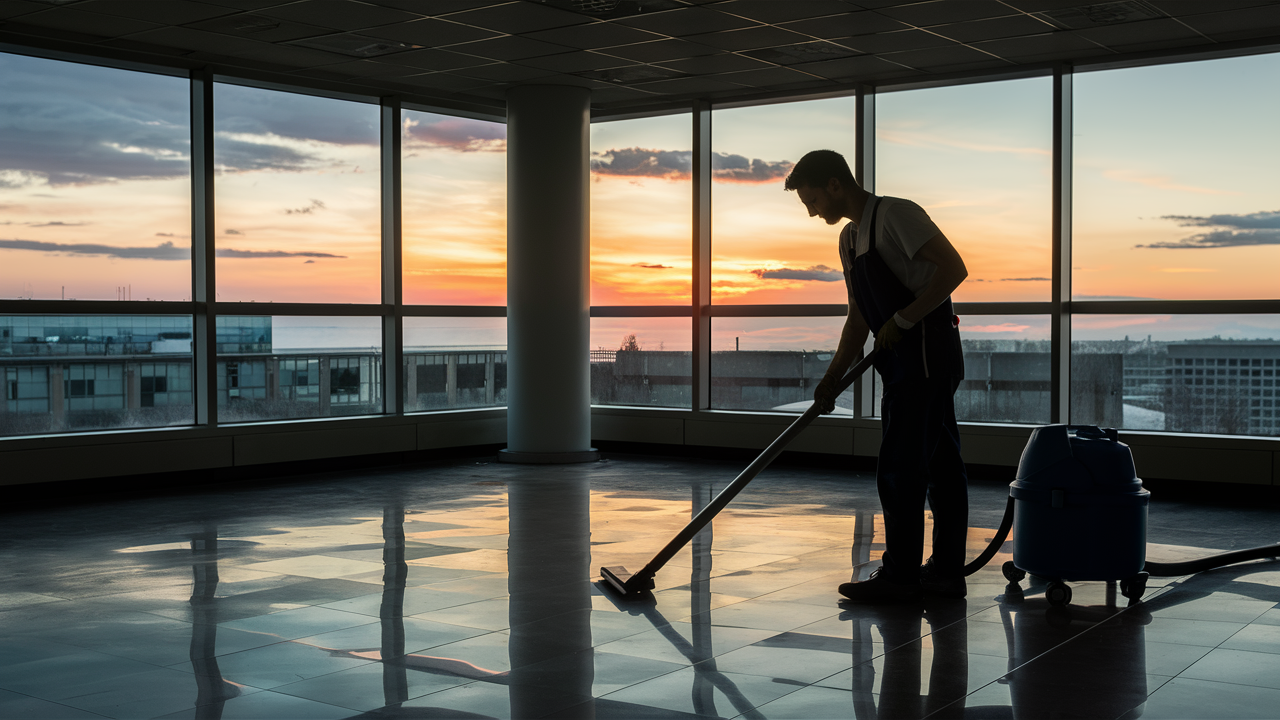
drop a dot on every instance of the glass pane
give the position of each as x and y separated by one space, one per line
978 159
273 368
95 183
1006 369
772 363
641 211
766 249
642 361
452 362
1176 199
298 197
454 198
94 372
1179 373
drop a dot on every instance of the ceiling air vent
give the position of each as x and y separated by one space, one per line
1092 16
355 45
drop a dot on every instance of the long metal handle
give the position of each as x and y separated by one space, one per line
731 491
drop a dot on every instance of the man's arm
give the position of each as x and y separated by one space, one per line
950 273
852 337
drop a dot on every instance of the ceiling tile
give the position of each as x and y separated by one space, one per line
939 12
861 67
260 27
632 74
434 7
815 51
851 23
189 39
687 86
1124 37
431 59
15 8
772 11
75 20
727 62
503 72
659 51
993 29
935 57
1045 5
1238 24
339 14
431 32
169 12
138 46
41 31
1179 8
294 56
363 68
510 47
519 17
576 62
1039 48
686 21
764 77
618 95
896 41
443 81
750 38
595 35
246 4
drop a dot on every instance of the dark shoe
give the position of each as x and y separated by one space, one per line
879 589
942 584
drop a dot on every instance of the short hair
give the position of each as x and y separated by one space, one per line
817 167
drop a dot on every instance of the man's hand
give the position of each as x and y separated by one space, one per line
824 396
890 334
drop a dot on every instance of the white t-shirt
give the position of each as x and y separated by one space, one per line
903 227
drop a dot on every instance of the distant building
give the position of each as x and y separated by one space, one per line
1223 386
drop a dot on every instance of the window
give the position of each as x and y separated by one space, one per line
298 200
641 361
1174 198
772 363
453 363
454 197
978 159
641 211
765 248
95 183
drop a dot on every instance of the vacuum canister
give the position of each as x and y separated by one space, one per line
1080 511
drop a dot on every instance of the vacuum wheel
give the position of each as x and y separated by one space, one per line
1134 587
1057 593
1012 572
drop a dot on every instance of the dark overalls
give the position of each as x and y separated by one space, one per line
920 444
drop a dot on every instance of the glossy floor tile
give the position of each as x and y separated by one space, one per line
468 590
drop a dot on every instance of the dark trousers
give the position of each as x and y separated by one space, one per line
919 460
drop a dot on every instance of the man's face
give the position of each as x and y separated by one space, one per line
818 202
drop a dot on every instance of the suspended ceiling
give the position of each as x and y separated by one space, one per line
633 54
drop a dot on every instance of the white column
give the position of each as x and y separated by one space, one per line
548 269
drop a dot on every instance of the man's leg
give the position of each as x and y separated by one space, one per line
948 487
902 476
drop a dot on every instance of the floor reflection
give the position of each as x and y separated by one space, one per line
468 592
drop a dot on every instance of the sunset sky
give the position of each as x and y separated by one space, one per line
1174 195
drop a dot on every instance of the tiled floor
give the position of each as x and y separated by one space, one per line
466 590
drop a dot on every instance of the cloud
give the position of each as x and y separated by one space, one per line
654 266
1259 228
308 262
458 134
821 273
165 235
232 231
307 210
1000 328
738 169
1026 279
639 162
678 165
56 223
229 253
164 251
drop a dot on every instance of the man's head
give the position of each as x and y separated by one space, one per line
823 180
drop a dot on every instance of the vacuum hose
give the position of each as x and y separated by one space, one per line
1155 569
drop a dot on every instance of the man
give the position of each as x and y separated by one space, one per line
900 271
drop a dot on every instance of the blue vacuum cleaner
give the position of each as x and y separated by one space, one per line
1079 512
